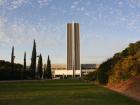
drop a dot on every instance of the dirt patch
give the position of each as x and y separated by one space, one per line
130 87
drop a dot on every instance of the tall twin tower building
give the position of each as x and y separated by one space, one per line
73 47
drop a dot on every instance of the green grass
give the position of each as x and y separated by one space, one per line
59 92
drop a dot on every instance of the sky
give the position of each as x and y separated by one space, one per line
106 27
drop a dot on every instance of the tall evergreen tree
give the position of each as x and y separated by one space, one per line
49 73
24 67
33 61
45 71
12 59
12 64
24 61
39 68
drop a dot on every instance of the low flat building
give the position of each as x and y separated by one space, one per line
87 68
60 70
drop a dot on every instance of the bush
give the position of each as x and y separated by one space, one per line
121 66
92 76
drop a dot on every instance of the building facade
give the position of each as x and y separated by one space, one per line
73 48
60 70
87 68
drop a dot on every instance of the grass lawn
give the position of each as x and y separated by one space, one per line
59 92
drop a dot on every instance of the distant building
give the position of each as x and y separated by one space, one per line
60 70
73 68
73 49
87 68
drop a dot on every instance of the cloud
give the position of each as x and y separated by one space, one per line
3 37
20 31
129 3
14 4
43 2
1 2
17 3
134 3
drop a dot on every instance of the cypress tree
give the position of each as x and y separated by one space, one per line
33 61
49 73
45 71
24 66
40 69
12 59
12 64
24 61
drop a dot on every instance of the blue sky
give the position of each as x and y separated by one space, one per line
107 27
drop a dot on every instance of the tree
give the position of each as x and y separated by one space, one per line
92 76
12 59
104 70
48 71
33 61
24 66
12 64
40 69
121 66
45 71
5 71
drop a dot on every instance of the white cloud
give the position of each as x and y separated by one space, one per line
73 6
3 37
135 2
120 3
76 2
43 2
14 4
1 2
20 31
17 3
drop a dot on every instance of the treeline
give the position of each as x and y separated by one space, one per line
6 73
121 66
13 71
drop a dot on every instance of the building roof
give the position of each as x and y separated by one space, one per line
89 66
59 66
83 66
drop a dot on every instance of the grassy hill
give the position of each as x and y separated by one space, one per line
121 66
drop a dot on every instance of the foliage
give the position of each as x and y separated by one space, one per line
12 60
24 72
12 71
33 61
40 69
92 76
104 69
48 71
7 74
24 67
45 71
121 66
